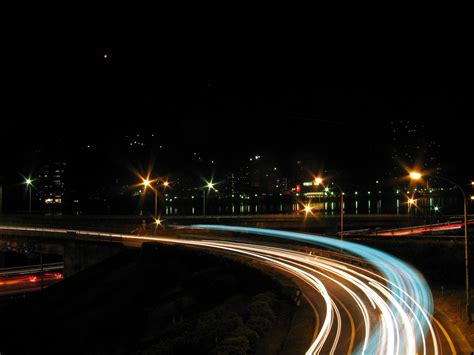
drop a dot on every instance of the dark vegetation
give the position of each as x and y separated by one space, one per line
161 299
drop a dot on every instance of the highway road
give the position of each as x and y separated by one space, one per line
364 301
14 285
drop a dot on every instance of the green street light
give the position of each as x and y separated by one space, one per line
210 186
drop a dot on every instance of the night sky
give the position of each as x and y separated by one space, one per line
229 103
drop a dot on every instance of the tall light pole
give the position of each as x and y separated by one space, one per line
318 181
209 186
147 183
414 175
29 183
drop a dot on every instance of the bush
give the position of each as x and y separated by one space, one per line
233 346
260 324
267 297
162 348
262 309
250 334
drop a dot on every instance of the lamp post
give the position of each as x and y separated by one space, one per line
209 186
414 175
29 183
147 183
318 181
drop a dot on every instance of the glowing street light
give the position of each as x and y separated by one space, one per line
414 175
210 186
29 184
147 184
318 181
166 184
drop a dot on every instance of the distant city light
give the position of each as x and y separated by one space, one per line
318 181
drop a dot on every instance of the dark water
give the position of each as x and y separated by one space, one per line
424 206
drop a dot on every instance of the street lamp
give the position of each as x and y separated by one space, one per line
209 186
318 181
414 175
147 183
29 184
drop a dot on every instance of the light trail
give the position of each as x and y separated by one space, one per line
389 299
409 294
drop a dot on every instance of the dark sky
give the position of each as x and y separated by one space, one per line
229 99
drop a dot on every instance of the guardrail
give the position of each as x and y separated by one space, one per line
21 270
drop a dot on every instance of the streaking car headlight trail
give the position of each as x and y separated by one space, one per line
401 295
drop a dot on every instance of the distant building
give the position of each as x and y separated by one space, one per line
50 183
237 183
304 170
257 177
411 146
264 176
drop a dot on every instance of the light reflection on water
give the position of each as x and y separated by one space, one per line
351 206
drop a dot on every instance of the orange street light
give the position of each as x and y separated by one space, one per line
147 183
415 175
318 181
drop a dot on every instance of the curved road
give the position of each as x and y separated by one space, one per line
365 301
